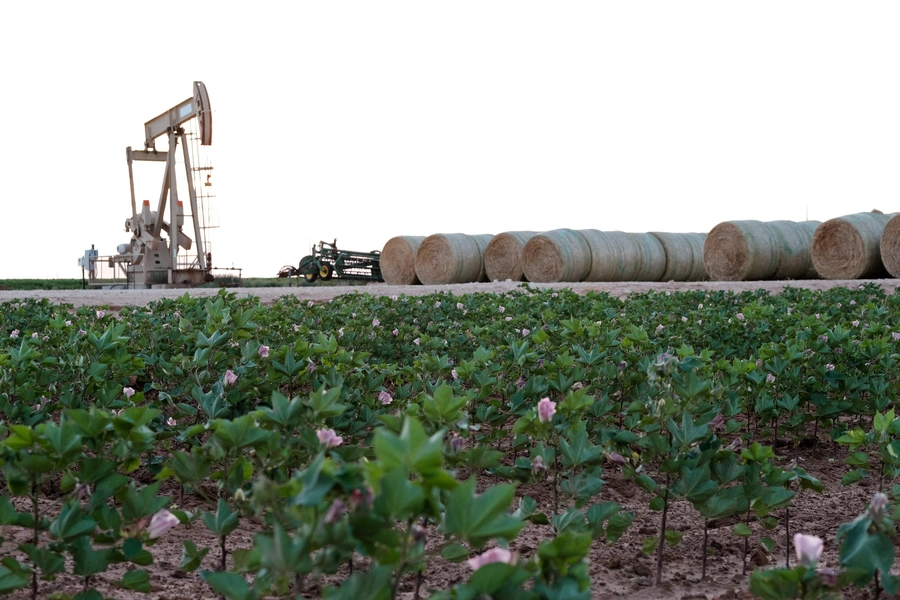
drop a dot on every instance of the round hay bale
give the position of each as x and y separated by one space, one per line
451 258
849 247
398 260
503 256
794 240
555 256
890 246
684 256
740 251
620 256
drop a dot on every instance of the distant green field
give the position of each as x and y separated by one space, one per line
40 284
75 284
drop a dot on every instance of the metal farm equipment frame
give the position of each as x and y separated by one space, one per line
327 262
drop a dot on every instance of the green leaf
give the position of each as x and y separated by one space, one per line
412 449
742 530
374 584
853 476
230 585
479 518
650 544
673 538
223 521
454 552
191 557
137 580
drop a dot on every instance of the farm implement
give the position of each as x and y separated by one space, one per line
328 262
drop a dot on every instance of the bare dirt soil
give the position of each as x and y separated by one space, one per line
620 571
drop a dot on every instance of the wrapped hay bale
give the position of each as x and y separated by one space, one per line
555 256
890 246
398 260
619 256
684 256
849 247
754 250
795 239
503 256
451 258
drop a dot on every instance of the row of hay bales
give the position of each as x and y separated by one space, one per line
862 245
548 257
858 246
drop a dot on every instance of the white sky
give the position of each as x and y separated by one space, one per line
363 120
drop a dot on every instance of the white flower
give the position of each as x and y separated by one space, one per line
416 341
101 314
385 398
491 556
502 309
129 392
459 305
809 548
161 522
34 335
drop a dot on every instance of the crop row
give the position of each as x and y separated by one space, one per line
345 429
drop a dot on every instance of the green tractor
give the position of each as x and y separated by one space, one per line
327 262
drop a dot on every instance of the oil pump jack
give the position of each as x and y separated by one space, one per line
148 258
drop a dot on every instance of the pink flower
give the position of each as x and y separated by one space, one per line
375 322
68 323
437 304
328 438
770 378
876 507
502 309
526 332
161 522
855 323
459 305
335 512
615 458
263 351
809 548
34 335
895 336
296 328
385 398
230 377
684 319
395 332
101 314
739 316
546 410
493 555
129 392
341 332
416 341
508 319
14 334
171 422
829 367
538 464
454 374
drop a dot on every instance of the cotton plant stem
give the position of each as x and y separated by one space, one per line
662 533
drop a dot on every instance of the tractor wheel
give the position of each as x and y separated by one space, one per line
311 276
326 272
